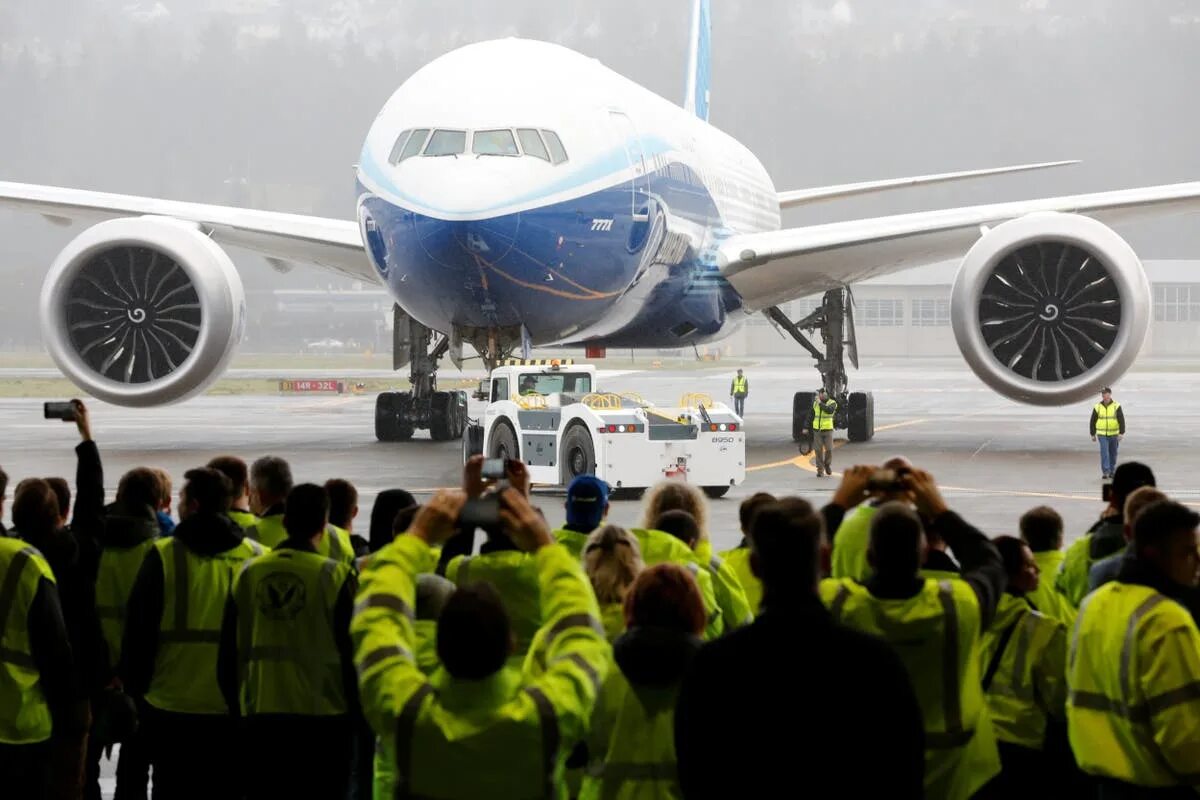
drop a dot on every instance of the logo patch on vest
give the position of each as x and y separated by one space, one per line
281 596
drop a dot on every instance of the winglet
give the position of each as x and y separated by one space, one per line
699 61
801 197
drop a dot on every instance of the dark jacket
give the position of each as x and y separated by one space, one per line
50 646
978 560
655 657
828 407
227 654
203 534
816 710
1120 421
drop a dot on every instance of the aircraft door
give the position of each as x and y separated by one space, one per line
640 191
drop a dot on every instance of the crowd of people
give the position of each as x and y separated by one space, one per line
880 646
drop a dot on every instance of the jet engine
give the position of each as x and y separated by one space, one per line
1050 307
142 311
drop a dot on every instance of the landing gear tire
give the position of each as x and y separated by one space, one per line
504 443
578 454
472 440
447 415
802 404
716 491
860 419
391 409
628 494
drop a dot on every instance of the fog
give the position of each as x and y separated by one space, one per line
264 103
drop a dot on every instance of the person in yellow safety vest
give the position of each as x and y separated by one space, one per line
270 483
238 473
738 558
1106 537
1133 666
1042 529
286 664
40 698
631 740
1108 426
169 648
343 510
612 561
675 495
739 387
935 627
860 700
478 728
1024 658
848 556
586 507
820 422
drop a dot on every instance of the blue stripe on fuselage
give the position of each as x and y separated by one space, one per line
560 269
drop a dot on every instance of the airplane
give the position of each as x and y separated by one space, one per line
515 193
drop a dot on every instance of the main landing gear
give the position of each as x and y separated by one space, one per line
399 414
835 320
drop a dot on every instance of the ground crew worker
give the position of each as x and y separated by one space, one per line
820 422
932 625
587 506
343 510
612 561
270 482
848 558
631 739
1108 426
1106 537
1042 529
673 495
1024 658
1134 664
40 698
238 473
478 728
738 558
286 665
169 648
1107 569
739 387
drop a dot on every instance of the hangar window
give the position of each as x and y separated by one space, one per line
532 144
1176 302
414 143
930 312
494 143
446 143
558 153
882 313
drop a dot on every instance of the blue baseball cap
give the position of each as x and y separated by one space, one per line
587 498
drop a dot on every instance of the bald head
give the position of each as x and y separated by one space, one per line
897 545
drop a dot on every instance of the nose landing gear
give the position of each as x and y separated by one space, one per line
399 414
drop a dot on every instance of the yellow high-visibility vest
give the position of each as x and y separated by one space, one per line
823 421
1106 419
25 718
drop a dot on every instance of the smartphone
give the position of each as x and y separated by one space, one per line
64 411
1106 493
493 469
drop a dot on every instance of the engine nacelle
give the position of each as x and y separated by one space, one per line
1050 307
142 311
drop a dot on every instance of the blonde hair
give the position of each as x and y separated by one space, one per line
1138 499
676 496
612 560
165 487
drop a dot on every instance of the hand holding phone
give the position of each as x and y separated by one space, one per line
64 410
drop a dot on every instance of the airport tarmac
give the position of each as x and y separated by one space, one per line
994 457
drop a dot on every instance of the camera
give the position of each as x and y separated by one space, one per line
887 480
63 410
484 511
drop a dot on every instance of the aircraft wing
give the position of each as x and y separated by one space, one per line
333 244
800 197
776 266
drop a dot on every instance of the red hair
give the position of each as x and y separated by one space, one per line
665 596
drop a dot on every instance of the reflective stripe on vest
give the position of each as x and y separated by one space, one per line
287 649
614 772
1106 419
821 420
25 715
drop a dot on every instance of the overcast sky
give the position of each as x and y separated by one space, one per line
266 102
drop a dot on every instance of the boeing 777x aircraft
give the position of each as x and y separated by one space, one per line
582 209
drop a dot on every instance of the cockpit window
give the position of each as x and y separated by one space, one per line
531 143
398 147
557 153
414 143
446 143
495 143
